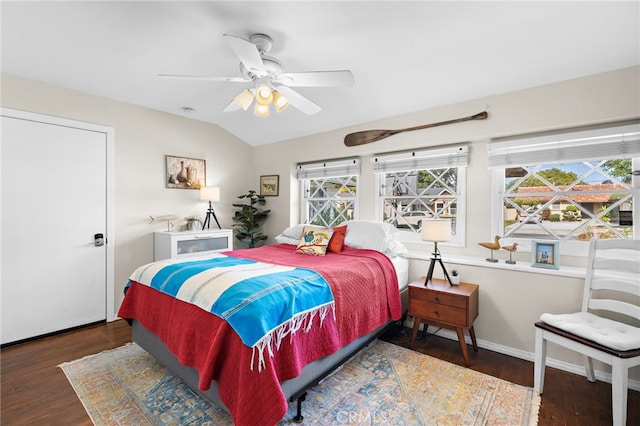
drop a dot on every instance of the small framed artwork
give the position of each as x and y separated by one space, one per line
269 185
185 173
545 254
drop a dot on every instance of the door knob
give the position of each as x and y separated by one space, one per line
98 240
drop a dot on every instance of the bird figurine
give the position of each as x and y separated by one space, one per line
511 249
492 246
308 237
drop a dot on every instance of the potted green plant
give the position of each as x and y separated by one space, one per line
249 218
192 222
455 277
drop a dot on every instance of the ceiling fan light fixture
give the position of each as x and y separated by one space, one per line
261 110
244 99
264 94
279 101
265 74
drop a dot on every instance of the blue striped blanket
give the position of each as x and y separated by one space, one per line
262 302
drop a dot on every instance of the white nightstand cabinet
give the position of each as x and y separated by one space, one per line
169 245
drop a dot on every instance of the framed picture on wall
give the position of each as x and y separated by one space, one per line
545 254
185 173
269 185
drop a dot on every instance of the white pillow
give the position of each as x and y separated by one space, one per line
291 235
293 232
282 239
369 234
397 249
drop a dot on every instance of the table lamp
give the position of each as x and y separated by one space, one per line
210 193
435 231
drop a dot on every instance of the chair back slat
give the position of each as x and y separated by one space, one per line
617 284
618 244
613 277
629 265
617 306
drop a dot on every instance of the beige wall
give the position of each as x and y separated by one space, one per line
595 99
142 139
510 301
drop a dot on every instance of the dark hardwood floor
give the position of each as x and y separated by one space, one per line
35 391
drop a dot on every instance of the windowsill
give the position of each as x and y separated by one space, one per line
564 271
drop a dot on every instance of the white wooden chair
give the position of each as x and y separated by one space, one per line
612 289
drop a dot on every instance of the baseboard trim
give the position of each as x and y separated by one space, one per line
529 356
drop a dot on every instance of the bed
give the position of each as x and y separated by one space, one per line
255 379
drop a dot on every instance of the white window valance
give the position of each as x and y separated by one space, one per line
457 156
330 168
601 143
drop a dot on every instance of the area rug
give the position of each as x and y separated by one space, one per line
383 384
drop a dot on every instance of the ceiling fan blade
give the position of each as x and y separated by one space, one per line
247 52
341 78
206 78
233 106
299 101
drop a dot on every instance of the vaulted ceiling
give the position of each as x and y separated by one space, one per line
405 56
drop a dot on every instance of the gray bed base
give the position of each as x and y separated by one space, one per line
294 389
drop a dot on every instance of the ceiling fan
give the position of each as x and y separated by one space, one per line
270 83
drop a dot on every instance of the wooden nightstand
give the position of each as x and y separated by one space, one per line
443 305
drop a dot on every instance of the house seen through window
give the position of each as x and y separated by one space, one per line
570 187
409 197
575 201
416 186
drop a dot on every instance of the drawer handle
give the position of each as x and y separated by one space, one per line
437 299
437 313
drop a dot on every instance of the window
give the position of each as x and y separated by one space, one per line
329 191
420 185
569 186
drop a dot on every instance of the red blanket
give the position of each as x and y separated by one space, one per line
365 289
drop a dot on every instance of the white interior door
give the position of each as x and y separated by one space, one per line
54 200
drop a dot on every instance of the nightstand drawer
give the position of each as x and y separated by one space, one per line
173 245
439 313
440 304
438 297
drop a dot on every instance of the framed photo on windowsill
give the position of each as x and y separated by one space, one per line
269 185
545 254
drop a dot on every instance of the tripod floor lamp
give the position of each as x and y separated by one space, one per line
210 193
435 231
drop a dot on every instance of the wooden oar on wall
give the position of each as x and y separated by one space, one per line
368 136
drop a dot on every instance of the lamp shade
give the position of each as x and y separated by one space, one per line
264 95
436 230
261 110
279 101
244 99
210 193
